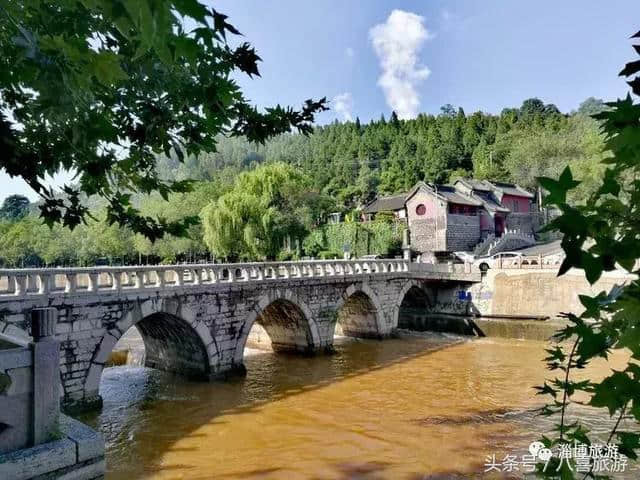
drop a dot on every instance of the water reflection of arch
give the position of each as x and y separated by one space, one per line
287 320
175 340
360 312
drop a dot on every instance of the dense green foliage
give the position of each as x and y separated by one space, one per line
600 235
336 169
14 207
268 209
29 242
380 237
101 87
351 161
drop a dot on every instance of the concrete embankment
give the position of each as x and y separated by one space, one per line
541 292
521 303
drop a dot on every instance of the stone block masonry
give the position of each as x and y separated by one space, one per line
36 442
463 232
195 319
78 454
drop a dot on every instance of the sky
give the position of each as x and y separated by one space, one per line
372 57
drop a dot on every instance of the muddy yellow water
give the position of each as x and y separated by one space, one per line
416 407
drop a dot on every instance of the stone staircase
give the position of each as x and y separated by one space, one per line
510 240
482 248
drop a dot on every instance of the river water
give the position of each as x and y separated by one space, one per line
423 406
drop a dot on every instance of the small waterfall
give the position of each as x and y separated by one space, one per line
128 351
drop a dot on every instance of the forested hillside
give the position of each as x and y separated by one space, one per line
276 211
352 162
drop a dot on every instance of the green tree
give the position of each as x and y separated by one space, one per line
179 205
101 87
108 241
265 209
544 151
591 106
17 244
532 106
14 207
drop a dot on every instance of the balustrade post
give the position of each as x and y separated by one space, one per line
178 273
71 283
93 282
160 278
196 276
116 281
46 374
44 283
139 280
20 285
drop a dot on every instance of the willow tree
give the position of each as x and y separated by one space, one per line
266 208
101 87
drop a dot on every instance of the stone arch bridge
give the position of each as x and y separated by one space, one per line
195 319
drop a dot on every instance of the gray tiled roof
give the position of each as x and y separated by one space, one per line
483 195
386 204
489 202
512 189
449 193
480 185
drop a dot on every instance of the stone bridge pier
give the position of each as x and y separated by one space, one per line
195 319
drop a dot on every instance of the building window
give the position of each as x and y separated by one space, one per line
515 205
421 209
468 210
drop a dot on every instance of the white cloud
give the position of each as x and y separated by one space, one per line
349 52
397 43
343 105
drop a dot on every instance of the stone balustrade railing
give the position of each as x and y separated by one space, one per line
52 281
530 262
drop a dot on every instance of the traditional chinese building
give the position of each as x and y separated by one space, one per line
446 218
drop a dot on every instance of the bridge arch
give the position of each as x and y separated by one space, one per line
414 296
288 321
175 340
360 313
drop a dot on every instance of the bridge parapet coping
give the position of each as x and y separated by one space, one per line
20 283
